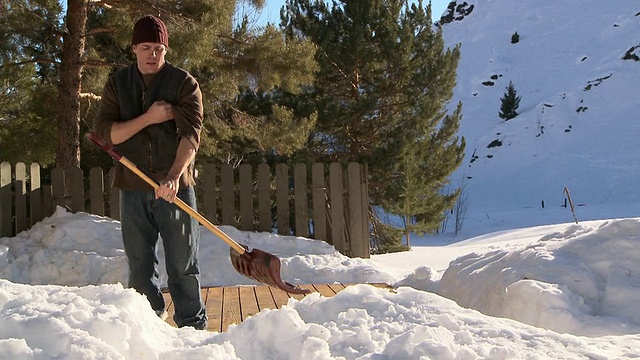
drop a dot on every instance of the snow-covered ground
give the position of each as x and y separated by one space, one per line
555 291
577 120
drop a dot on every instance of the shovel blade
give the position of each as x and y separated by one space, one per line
262 267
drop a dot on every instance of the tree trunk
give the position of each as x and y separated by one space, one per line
68 119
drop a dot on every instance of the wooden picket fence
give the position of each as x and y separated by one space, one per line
298 202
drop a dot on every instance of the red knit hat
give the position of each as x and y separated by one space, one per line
150 29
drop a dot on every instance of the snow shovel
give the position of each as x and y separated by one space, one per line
254 264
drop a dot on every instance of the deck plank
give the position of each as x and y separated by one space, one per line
324 290
248 302
233 304
280 297
265 298
336 287
213 305
230 307
301 296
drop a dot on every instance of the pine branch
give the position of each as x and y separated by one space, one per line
31 61
100 30
98 63
87 63
90 96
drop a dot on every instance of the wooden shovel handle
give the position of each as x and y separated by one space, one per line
181 204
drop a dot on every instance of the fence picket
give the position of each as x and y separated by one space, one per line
209 186
6 201
264 198
75 184
319 193
228 194
246 197
20 193
364 243
355 207
96 191
282 199
114 197
336 211
300 200
57 188
47 200
35 192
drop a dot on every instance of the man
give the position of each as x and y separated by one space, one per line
152 113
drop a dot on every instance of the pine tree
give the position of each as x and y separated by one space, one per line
380 95
515 38
510 102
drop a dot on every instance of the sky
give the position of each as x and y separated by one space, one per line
518 281
271 11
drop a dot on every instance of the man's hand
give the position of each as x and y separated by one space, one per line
159 112
168 189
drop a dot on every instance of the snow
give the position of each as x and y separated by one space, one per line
519 281
550 291
578 113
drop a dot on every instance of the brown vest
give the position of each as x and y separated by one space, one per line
153 149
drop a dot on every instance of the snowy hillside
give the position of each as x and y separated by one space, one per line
578 124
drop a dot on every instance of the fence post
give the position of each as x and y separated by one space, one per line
6 201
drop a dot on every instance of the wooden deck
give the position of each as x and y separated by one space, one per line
233 304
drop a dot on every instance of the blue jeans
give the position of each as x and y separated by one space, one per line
143 217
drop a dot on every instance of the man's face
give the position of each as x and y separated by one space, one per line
150 57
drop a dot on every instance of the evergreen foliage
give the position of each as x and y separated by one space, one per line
510 102
28 95
56 64
388 238
385 78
